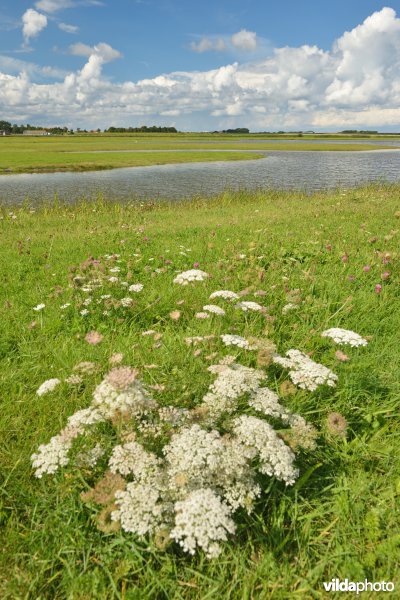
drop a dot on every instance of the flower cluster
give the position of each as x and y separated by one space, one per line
190 488
225 294
189 276
48 386
344 336
216 310
304 372
245 306
237 340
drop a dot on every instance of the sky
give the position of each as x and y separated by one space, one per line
290 65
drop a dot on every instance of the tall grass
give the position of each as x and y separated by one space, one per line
341 519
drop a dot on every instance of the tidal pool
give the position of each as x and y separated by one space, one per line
306 171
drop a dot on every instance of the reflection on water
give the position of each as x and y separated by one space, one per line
284 170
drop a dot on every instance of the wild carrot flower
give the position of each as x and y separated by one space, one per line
237 340
304 372
249 306
225 294
39 307
344 336
202 520
48 386
136 287
216 310
192 275
126 302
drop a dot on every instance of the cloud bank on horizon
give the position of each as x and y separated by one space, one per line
356 84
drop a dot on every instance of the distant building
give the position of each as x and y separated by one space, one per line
4 132
35 132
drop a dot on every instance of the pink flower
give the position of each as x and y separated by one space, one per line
351 278
93 338
345 258
328 247
196 265
175 315
366 268
341 356
378 288
386 275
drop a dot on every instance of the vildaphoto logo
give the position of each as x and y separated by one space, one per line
335 585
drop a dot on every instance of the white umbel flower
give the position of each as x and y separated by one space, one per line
48 386
187 277
304 372
121 392
194 454
267 402
140 508
54 455
216 310
232 382
132 459
202 521
225 294
126 302
136 287
246 306
344 336
237 340
275 457
289 307
39 307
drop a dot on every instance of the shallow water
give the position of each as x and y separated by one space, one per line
283 170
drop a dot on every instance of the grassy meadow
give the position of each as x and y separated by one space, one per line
23 154
334 256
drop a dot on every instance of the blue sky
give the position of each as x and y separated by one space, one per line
263 64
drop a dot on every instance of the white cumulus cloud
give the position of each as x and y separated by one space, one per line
32 23
208 44
356 84
51 6
104 51
68 28
245 40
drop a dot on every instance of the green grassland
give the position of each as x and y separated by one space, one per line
341 518
21 154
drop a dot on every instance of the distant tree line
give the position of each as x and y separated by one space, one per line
357 131
9 128
237 130
142 129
